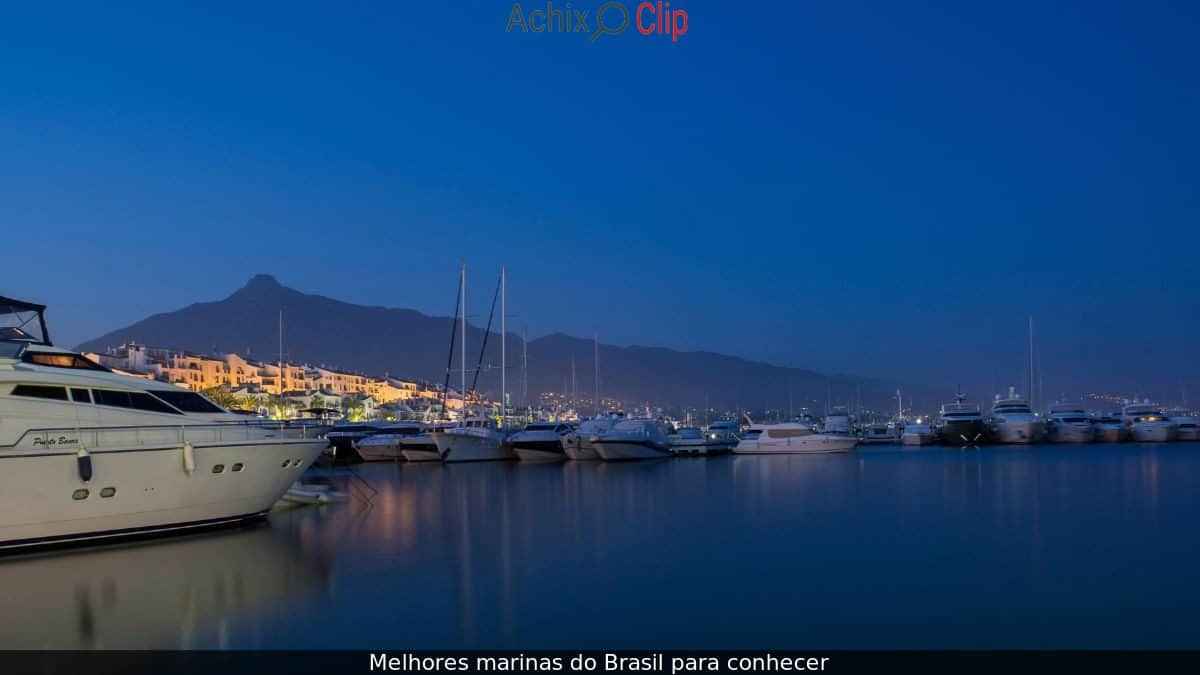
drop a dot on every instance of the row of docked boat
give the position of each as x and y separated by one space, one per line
611 437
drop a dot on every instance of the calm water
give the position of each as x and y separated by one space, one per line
1056 546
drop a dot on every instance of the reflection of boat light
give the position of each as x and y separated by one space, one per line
169 594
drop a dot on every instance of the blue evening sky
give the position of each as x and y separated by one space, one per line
882 188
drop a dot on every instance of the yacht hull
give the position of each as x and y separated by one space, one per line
970 432
815 444
1066 433
918 439
617 451
1188 434
1151 433
578 448
379 452
471 448
1110 435
1017 433
543 451
142 491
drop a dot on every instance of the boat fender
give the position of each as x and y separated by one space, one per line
189 458
84 460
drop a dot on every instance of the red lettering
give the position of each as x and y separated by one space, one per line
679 24
641 27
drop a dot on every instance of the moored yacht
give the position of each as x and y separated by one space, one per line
1186 428
1070 423
1147 423
540 442
960 423
694 441
343 437
421 447
724 432
879 433
1110 429
578 444
633 439
838 421
918 433
791 438
1014 422
87 454
387 445
478 440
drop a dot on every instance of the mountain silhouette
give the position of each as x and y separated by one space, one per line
406 343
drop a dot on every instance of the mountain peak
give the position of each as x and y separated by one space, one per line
263 281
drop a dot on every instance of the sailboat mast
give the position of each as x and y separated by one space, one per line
463 316
503 346
1032 402
596 360
281 352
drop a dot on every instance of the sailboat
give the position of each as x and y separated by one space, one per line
479 438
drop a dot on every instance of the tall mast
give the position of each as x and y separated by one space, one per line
596 358
281 352
1032 402
573 389
463 315
503 346
525 367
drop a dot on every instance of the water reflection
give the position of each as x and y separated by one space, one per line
1000 547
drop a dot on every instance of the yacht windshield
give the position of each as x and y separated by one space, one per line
22 321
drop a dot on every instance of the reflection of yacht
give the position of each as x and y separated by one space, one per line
479 440
633 439
960 423
1014 422
918 433
89 454
540 442
791 438
387 445
578 444
176 594
421 447
1070 423
1186 428
1110 429
1147 423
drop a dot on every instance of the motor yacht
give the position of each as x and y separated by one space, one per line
387 445
1186 426
540 442
918 433
1014 422
878 433
791 438
1110 429
578 444
343 437
725 433
422 447
1147 423
693 441
1070 423
89 455
838 421
633 439
961 423
477 440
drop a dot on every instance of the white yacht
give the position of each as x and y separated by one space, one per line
879 433
477 440
838 421
918 433
1070 423
540 442
1147 423
422 447
633 439
695 441
387 445
1014 422
578 444
1110 429
791 438
88 455
1186 427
